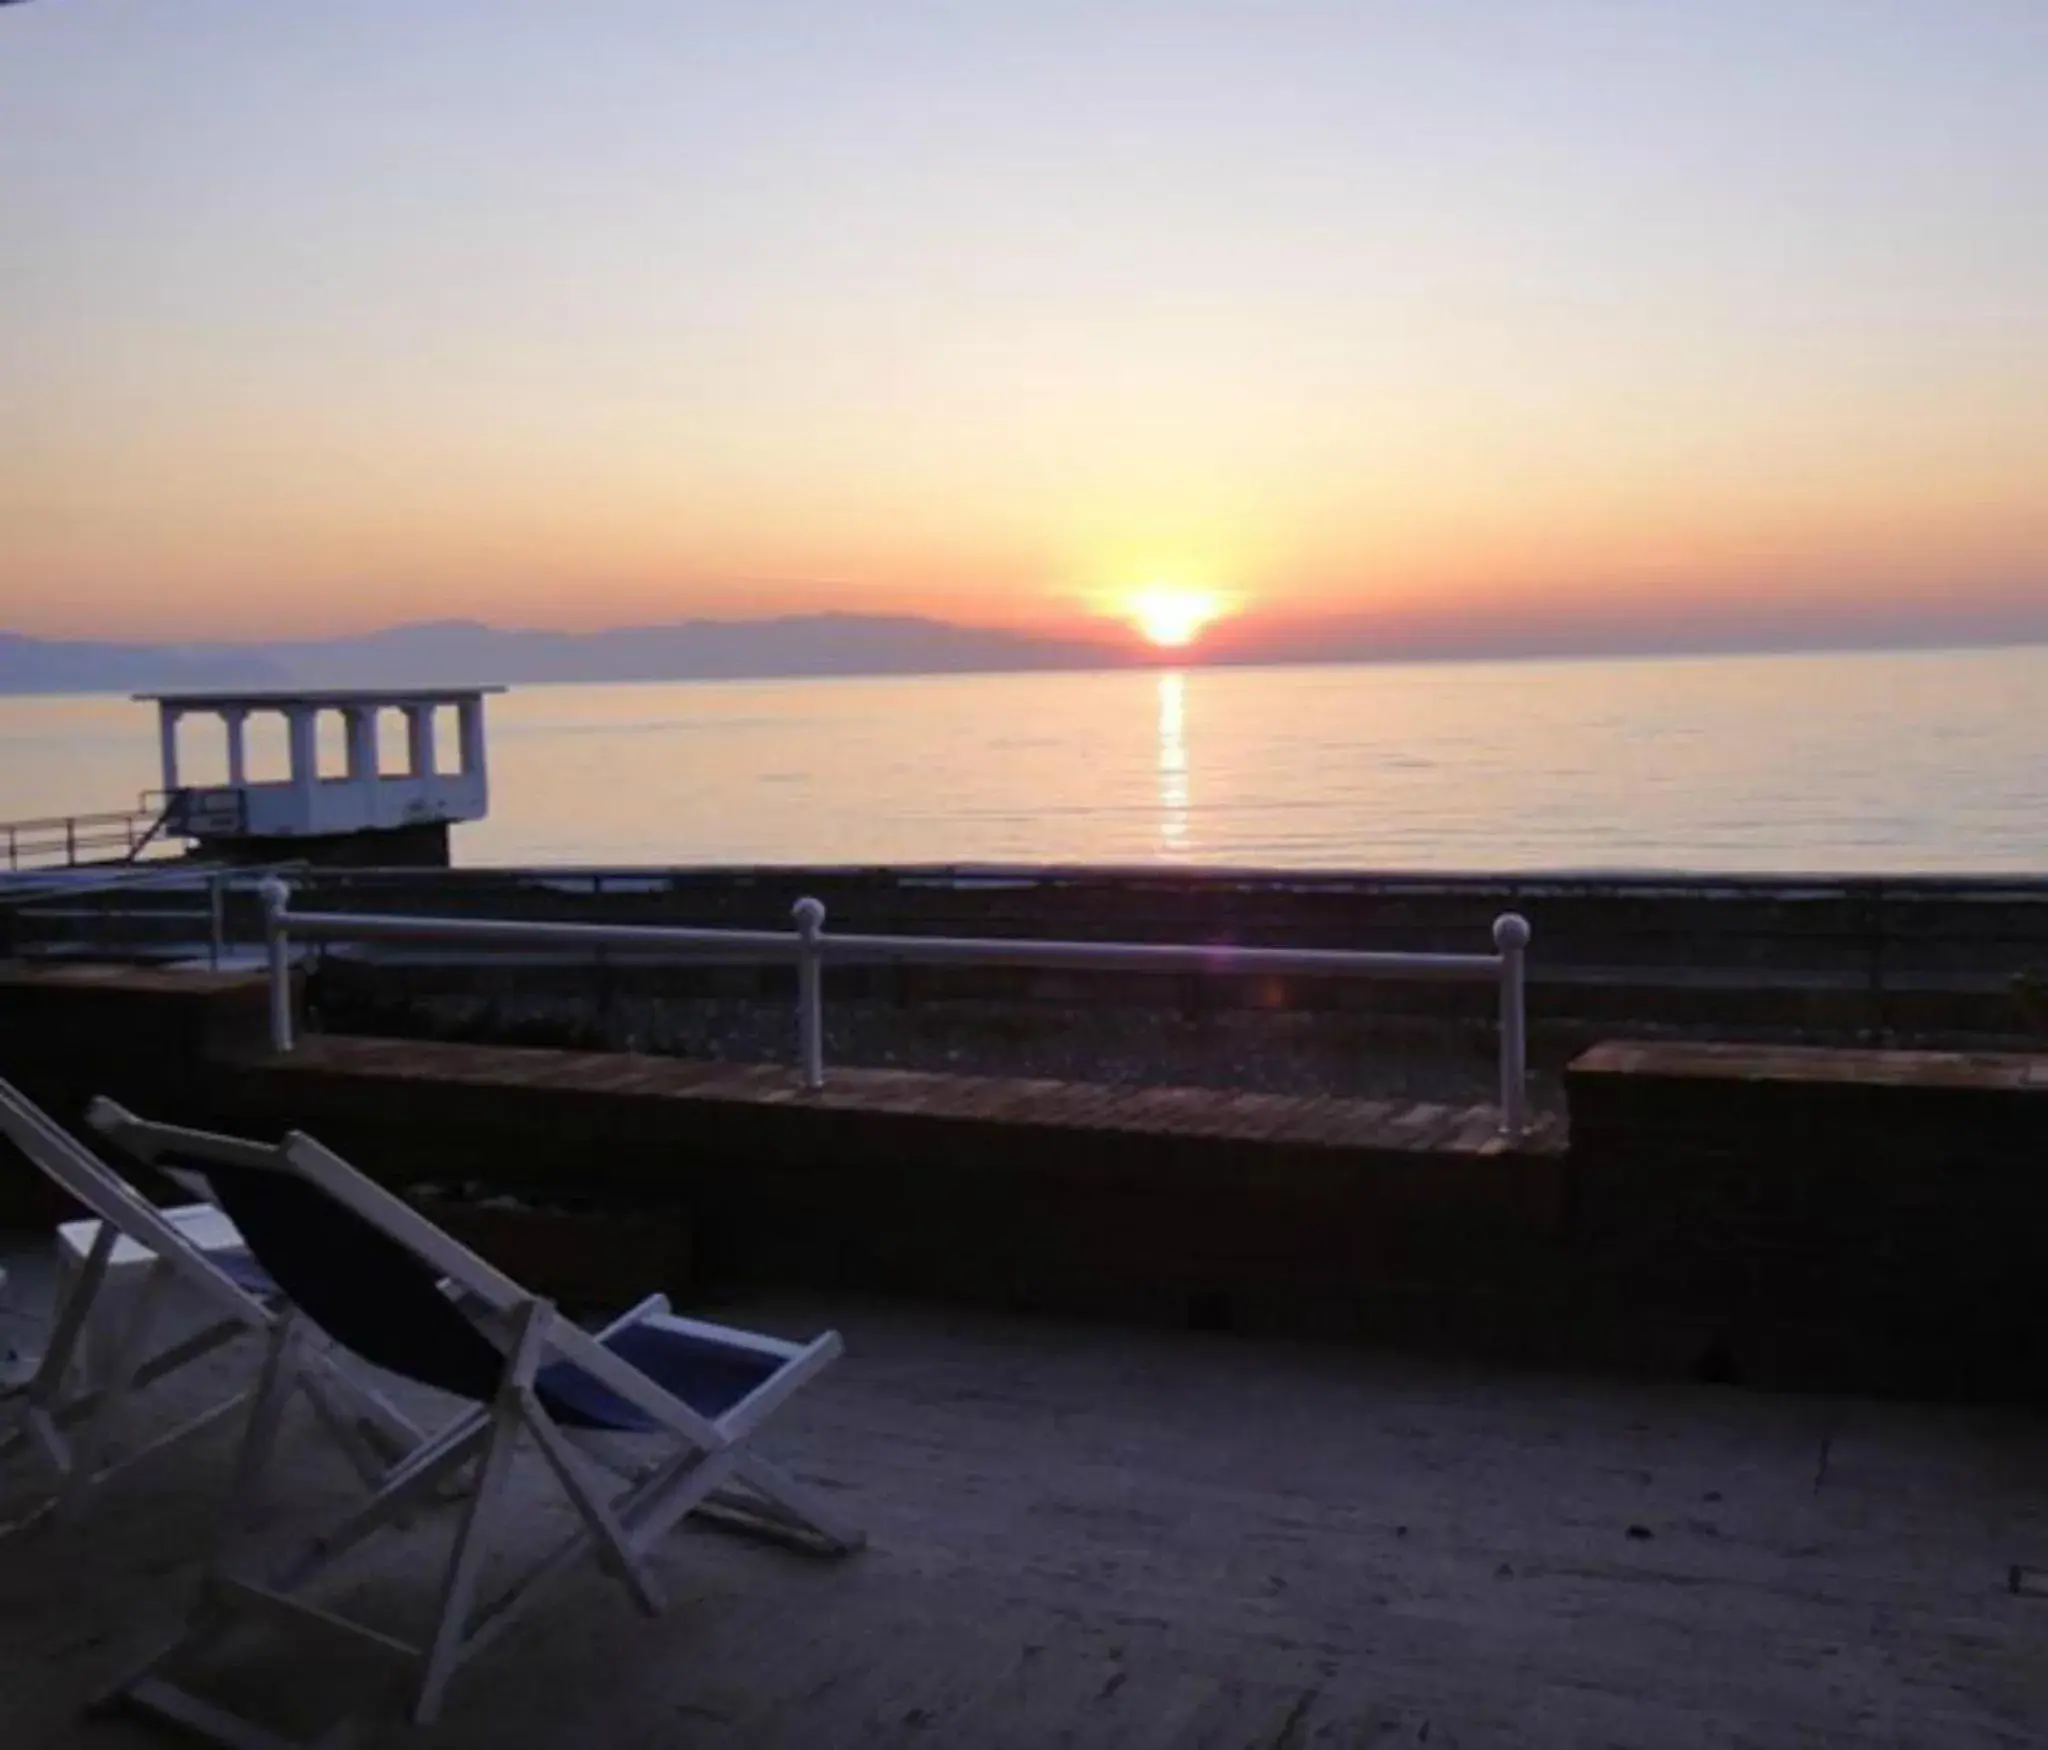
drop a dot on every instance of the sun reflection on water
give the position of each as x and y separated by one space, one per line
1173 764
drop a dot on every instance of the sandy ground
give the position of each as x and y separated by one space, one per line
1086 1536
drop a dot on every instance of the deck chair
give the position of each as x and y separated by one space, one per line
76 1425
376 1276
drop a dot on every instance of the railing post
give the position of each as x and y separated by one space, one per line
810 991
1511 938
276 897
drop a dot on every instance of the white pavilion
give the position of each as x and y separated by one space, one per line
363 812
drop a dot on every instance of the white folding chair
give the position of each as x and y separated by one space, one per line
373 1274
73 1418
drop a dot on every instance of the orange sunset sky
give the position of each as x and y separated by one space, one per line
314 318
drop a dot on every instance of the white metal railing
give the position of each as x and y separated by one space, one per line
810 949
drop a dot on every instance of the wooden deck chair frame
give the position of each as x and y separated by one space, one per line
74 1427
623 1511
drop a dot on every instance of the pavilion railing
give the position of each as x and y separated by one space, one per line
69 840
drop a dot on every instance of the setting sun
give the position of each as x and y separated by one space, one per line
1171 616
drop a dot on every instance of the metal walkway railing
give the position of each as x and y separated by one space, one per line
81 910
810 949
67 841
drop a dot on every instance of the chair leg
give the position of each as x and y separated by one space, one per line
38 1424
36 1427
458 1589
193 1717
93 1438
40 1429
783 1510
81 1298
578 1477
44 1425
386 1427
508 1415
68 1411
649 1509
141 1687
407 1485
671 1492
259 1439
354 1444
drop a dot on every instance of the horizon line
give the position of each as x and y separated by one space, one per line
1143 660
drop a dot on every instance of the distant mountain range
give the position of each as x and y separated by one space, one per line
465 652
468 653
47 665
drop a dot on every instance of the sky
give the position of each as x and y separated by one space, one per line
1531 313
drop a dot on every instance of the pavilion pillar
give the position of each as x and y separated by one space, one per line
305 753
361 721
470 718
419 740
167 716
237 720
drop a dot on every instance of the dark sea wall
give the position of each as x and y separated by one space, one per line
1836 1219
1866 960
1870 961
1865 1218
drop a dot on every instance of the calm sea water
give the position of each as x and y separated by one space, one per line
1922 761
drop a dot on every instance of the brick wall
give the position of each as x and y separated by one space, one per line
995 1211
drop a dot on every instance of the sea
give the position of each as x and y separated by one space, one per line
1805 764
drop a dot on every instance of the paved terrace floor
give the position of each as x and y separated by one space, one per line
1089 1537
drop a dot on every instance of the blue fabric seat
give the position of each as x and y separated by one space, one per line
240 1268
709 1377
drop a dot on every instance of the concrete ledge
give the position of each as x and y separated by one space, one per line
1864 1219
1811 1066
